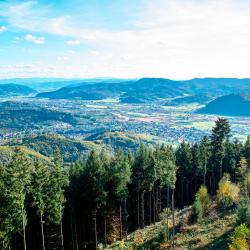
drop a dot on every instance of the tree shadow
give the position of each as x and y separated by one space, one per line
220 243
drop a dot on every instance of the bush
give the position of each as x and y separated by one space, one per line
201 205
240 238
243 211
197 212
228 192
204 198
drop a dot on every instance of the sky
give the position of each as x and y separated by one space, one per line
177 39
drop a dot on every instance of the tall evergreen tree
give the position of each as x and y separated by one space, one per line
95 186
220 134
40 192
204 154
15 188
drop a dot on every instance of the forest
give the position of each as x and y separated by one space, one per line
105 196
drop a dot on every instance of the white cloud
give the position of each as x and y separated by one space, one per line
62 58
34 39
173 38
2 29
94 52
73 42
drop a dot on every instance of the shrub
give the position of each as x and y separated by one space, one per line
243 211
204 198
228 192
240 238
246 184
201 205
197 212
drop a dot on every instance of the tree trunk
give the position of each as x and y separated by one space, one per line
160 199
105 230
120 211
156 204
95 231
72 232
142 209
221 170
24 233
167 212
173 220
76 235
205 171
182 193
138 210
150 207
61 229
126 217
153 204
42 231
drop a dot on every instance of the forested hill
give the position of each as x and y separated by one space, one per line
72 149
229 105
9 90
109 196
149 89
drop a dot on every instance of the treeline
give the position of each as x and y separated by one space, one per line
104 197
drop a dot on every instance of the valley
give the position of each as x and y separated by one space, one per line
79 119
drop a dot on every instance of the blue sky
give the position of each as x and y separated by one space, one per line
176 39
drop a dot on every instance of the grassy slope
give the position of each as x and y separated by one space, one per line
211 234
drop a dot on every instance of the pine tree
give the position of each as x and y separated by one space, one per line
95 186
58 181
15 187
40 192
220 133
204 154
121 173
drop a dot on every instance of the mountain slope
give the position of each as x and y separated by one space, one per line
19 115
229 105
210 234
46 145
149 89
9 90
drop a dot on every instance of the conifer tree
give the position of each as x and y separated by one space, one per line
220 134
121 173
204 154
95 185
58 181
15 187
40 192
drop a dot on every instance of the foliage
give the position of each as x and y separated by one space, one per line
240 238
201 204
227 193
243 210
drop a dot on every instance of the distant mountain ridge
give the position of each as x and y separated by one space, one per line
149 89
228 105
9 90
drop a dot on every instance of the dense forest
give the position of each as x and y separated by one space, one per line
105 196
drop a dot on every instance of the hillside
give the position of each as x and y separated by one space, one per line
19 115
201 99
46 145
123 140
229 105
149 89
72 149
10 90
211 233
7 151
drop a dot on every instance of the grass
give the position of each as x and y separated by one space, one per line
211 233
